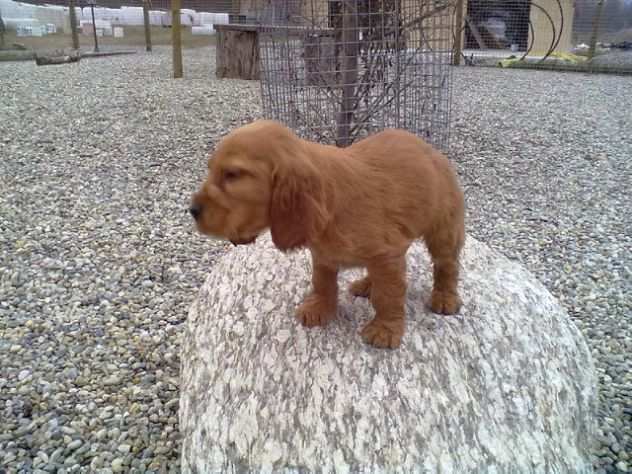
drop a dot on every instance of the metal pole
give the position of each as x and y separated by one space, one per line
146 6
73 24
176 38
94 30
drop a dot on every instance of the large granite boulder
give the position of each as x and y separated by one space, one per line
508 385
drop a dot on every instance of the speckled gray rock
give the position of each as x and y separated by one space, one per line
506 386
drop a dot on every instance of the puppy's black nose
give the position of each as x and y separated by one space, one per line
195 210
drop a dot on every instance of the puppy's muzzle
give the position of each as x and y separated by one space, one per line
195 210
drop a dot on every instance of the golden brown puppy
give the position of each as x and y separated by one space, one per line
360 206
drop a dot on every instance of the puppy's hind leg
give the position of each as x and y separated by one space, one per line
320 306
388 294
445 246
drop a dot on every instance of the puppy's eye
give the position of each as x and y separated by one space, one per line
231 174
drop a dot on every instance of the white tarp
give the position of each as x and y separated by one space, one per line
103 27
192 17
113 15
202 30
155 17
52 14
187 18
30 30
15 23
213 18
132 16
11 9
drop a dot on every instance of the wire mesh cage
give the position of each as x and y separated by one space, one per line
583 35
338 70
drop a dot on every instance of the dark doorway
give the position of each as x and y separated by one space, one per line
497 24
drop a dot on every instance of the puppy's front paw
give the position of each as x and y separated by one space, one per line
315 311
361 288
383 335
443 302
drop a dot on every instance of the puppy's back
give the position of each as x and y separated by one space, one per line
395 145
404 156
413 178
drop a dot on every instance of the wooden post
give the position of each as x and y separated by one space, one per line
595 30
458 37
146 6
176 39
73 24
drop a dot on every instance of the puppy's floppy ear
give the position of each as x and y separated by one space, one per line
298 210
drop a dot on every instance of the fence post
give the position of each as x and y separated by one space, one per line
176 38
73 24
595 30
146 6
458 46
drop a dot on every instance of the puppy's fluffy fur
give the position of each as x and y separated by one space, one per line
357 206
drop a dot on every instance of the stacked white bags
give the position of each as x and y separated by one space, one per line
103 27
213 18
38 20
202 30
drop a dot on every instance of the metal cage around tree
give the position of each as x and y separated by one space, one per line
338 70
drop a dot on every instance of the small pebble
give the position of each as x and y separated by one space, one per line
118 465
74 444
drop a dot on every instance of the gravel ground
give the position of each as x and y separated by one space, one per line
546 161
99 261
614 59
